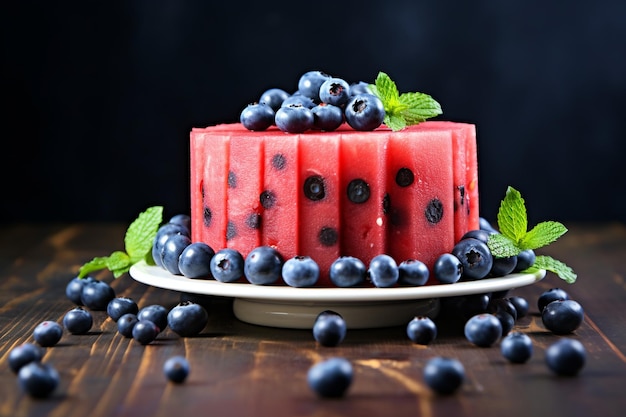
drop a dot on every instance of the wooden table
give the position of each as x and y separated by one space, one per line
240 369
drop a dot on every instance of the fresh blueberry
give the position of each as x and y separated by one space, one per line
475 257
525 259
347 271
444 375
172 249
562 316
503 266
330 378
483 329
480 234
447 269
24 354
227 265
155 313
96 295
176 369
48 333
126 323
364 112
298 100
294 118
163 234
145 332
195 260
257 116
78 321
520 304
37 379
551 295
566 357
274 97
413 272
263 265
187 319
360 87
383 271
421 330
183 220
119 306
335 91
504 305
516 347
310 82
484 224
74 289
300 271
464 306
327 117
329 328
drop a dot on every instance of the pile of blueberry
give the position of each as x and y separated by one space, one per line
321 102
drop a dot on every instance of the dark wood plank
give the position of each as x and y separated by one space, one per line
245 370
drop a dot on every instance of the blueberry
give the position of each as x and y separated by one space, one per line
520 304
413 272
447 269
38 380
480 234
78 321
465 306
502 305
227 265
24 354
484 224
525 259
566 357
483 329
503 266
335 91
145 332
562 316
364 112
329 328
475 257
257 116
300 271
550 295
327 117
119 306
183 220
421 330
310 82
360 87
96 295
347 271
274 97
187 319
163 233
155 313
195 260
294 118
444 375
383 271
298 100
172 249
263 265
330 378
126 323
48 333
74 289
516 347
176 369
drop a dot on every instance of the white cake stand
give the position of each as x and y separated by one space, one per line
297 308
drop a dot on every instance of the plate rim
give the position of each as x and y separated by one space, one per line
157 276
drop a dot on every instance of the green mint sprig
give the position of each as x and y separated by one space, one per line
138 246
514 236
402 110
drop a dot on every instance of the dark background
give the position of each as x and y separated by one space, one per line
99 97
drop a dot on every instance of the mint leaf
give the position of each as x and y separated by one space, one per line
94 265
542 235
501 246
406 109
557 267
140 234
512 218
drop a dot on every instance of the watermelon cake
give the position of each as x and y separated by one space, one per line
409 194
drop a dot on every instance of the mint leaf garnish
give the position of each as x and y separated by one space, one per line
515 237
405 109
138 245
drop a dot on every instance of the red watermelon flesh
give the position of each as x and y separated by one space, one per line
328 194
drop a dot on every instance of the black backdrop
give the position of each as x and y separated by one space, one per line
99 97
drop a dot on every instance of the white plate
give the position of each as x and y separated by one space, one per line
365 307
